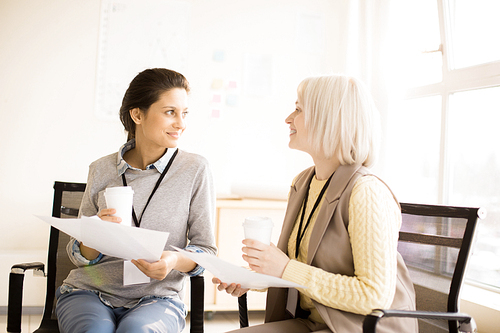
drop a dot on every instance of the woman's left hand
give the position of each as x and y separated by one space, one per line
158 270
265 259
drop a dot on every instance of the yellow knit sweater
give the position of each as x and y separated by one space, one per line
374 222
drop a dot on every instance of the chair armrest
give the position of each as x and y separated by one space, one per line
15 302
197 304
37 267
466 323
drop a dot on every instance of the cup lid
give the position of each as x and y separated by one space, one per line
119 190
260 221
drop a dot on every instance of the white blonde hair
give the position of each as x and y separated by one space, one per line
341 118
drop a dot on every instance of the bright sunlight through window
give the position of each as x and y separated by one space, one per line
442 66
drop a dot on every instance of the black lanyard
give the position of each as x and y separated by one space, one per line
300 232
134 216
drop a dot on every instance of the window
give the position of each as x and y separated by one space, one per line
474 32
474 172
443 57
415 136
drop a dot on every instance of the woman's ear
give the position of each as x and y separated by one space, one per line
137 115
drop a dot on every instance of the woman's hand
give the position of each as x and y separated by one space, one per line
158 270
233 288
265 259
105 215
169 260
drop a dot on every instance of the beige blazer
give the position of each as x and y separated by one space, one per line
331 228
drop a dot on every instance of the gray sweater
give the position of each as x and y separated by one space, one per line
183 205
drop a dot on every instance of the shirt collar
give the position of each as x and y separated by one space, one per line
159 165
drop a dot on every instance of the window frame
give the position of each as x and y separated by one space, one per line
453 80
481 301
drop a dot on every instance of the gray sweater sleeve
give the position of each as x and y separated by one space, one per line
202 212
87 208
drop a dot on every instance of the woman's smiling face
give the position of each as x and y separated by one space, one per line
164 122
298 132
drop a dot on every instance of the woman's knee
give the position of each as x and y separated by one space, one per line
154 315
83 311
166 324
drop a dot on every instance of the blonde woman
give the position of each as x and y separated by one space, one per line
340 232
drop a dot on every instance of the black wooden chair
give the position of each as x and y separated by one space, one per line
435 242
67 198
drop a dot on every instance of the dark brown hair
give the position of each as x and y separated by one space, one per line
145 89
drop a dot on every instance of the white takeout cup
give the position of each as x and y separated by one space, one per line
258 228
121 198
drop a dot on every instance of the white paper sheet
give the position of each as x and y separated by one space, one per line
133 275
229 273
113 239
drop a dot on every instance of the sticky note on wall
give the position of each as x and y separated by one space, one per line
232 100
217 84
215 113
218 56
216 98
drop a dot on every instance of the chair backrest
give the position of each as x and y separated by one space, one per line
435 242
66 204
67 199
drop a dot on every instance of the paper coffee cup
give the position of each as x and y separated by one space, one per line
121 198
258 228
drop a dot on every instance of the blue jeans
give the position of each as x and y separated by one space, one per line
82 311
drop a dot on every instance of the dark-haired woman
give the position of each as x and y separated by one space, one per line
93 298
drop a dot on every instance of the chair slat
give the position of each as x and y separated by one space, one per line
430 239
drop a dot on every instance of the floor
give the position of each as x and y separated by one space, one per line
215 322
218 322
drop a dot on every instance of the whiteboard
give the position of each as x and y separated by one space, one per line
243 59
135 35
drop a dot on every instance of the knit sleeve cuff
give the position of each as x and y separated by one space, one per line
298 272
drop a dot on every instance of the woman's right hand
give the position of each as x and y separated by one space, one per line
105 215
233 288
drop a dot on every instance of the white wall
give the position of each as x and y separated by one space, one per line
248 146
49 130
